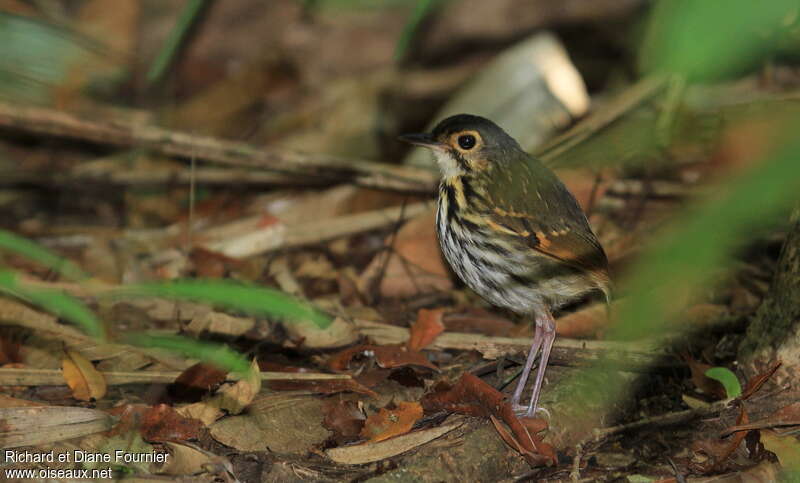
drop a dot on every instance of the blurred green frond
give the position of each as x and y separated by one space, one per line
215 354
35 57
713 39
28 249
704 239
54 301
235 296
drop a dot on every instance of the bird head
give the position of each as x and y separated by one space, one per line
466 144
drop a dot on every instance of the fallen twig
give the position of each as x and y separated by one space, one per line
54 377
130 134
567 352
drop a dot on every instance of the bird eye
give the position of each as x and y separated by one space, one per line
466 141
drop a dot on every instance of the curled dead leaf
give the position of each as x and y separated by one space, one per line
86 382
387 423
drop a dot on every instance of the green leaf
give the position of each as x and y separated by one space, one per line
236 296
728 380
713 39
215 354
58 303
28 249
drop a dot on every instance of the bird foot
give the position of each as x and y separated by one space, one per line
523 411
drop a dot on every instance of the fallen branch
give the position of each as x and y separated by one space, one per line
130 134
150 177
566 352
54 377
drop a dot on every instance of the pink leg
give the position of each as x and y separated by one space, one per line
543 338
549 336
526 371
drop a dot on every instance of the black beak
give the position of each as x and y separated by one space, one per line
421 139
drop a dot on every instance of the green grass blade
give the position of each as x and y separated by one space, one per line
30 250
176 37
218 355
728 379
53 301
235 296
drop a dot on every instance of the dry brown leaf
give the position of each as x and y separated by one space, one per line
702 382
195 382
205 411
188 459
415 264
425 330
163 423
32 426
13 402
360 454
339 334
473 397
387 423
344 419
86 382
236 397
387 357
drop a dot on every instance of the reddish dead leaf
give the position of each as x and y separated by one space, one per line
474 397
210 264
86 382
162 423
373 377
702 382
387 357
426 329
534 425
155 423
415 264
268 220
344 418
387 423
755 382
330 386
9 350
195 382
130 418
407 377
535 459
478 322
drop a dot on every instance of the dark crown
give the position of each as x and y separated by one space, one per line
492 134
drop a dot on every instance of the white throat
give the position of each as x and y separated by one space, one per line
447 163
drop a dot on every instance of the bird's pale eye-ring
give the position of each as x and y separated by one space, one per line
466 141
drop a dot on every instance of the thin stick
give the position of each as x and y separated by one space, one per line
54 377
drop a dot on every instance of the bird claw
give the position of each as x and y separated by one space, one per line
522 411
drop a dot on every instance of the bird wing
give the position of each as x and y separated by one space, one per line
531 203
